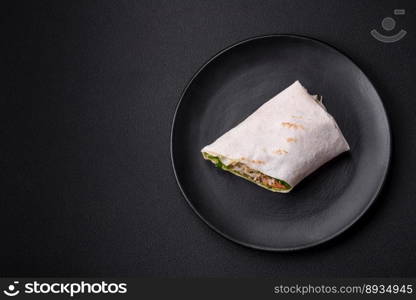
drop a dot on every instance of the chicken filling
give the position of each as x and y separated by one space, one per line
251 174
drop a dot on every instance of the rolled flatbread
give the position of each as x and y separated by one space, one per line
282 142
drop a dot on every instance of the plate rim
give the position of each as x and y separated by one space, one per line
308 245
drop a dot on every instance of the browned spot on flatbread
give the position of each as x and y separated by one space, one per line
297 117
254 161
280 151
291 140
292 125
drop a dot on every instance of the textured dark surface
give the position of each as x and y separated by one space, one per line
88 95
234 84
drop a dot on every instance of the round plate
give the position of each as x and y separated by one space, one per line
227 89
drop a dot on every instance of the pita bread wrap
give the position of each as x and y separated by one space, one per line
282 142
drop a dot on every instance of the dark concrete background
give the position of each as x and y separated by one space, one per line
88 94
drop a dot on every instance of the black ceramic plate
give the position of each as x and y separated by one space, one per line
229 88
